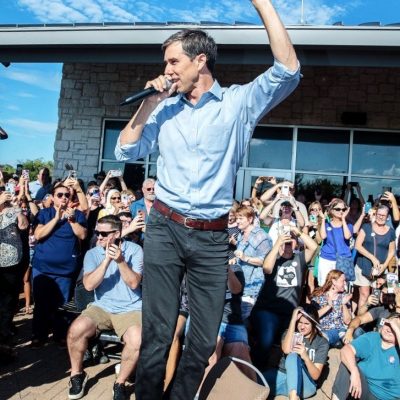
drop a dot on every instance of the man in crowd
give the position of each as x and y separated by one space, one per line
202 135
113 269
143 206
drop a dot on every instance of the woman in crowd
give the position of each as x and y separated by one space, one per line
305 351
312 229
375 245
55 263
12 222
253 244
333 306
113 203
336 234
370 368
289 214
284 269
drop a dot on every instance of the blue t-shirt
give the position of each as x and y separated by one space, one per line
328 250
138 205
113 294
58 252
381 367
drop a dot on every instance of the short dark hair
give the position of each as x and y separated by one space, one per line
55 187
113 220
125 214
195 42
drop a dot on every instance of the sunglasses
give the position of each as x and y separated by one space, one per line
67 195
94 192
150 189
316 209
340 209
115 198
103 233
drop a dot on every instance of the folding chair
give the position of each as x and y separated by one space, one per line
226 381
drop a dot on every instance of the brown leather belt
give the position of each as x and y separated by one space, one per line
218 224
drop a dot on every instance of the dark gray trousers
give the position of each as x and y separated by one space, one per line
170 250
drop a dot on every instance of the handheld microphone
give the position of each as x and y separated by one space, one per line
143 94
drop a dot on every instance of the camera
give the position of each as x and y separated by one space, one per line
115 173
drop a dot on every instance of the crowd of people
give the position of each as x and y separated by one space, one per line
284 283
276 272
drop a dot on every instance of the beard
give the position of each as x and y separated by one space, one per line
150 197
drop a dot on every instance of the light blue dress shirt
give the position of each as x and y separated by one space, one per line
113 294
201 146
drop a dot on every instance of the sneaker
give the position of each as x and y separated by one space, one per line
119 392
77 385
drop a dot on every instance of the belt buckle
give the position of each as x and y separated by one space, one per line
185 224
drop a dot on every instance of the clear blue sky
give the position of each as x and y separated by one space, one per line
29 92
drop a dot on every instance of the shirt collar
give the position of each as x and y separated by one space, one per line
214 91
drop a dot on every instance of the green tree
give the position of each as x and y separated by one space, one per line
34 166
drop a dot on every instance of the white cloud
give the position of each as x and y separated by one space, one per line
26 94
41 79
12 107
51 11
29 128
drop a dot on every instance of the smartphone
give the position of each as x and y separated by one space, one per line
353 183
117 241
297 339
72 174
367 206
125 199
313 218
25 173
382 322
377 293
10 187
115 173
286 230
285 190
386 189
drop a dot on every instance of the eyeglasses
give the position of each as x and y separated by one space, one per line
316 209
67 195
150 189
103 233
116 198
381 215
340 209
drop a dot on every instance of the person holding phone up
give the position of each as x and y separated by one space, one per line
376 247
305 351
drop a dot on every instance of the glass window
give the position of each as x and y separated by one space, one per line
327 186
376 153
271 147
111 133
376 186
322 150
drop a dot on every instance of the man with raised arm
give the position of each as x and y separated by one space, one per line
202 134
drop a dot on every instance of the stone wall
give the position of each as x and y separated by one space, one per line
92 92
